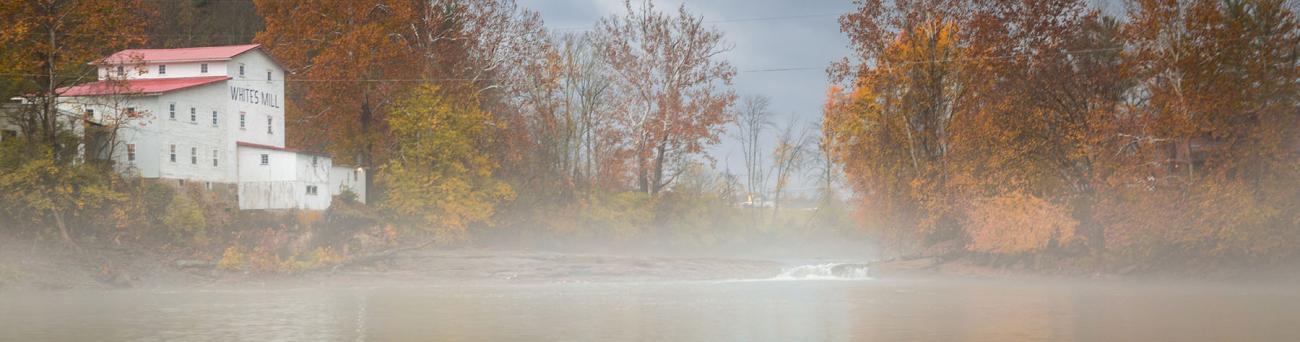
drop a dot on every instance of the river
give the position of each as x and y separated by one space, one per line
791 306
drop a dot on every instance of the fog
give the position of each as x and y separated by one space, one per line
650 170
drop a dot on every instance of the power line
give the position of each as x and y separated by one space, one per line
722 21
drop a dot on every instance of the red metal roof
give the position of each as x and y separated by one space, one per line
138 86
274 148
209 53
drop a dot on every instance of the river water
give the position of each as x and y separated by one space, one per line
791 306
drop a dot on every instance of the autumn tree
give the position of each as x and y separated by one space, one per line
339 57
203 23
48 45
349 61
1217 108
441 173
679 88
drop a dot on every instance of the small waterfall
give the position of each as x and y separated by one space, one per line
827 271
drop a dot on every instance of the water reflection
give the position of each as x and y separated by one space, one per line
712 311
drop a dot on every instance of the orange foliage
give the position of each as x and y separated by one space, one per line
1017 223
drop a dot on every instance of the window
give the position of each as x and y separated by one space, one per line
130 110
241 70
214 118
130 152
171 111
90 113
354 175
203 68
311 190
268 75
162 69
194 115
194 156
268 125
266 159
121 70
207 185
214 158
241 120
173 153
313 161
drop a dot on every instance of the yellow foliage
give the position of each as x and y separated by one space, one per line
442 175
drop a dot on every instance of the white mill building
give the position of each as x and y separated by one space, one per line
213 115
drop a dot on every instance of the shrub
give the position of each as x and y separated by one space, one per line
1017 223
184 220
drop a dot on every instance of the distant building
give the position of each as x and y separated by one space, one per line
213 115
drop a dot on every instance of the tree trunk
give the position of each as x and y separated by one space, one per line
63 227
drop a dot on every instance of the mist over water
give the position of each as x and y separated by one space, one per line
832 301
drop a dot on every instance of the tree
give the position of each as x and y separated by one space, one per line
470 49
441 173
679 90
48 44
788 157
751 120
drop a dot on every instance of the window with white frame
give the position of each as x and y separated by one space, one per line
266 159
90 113
194 156
241 70
194 115
268 125
171 111
214 158
242 123
214 118
311 190
121 70
313 161
162 69
172 153
130 153
268 75
203 68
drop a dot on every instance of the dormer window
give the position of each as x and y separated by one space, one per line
162 69
121 70
203 68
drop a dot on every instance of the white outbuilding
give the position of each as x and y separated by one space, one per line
207 114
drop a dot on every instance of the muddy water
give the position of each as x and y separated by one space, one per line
783 308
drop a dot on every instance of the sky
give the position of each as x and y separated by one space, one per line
765 35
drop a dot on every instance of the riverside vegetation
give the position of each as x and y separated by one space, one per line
1030 132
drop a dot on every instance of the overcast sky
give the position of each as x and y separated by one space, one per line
766 35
